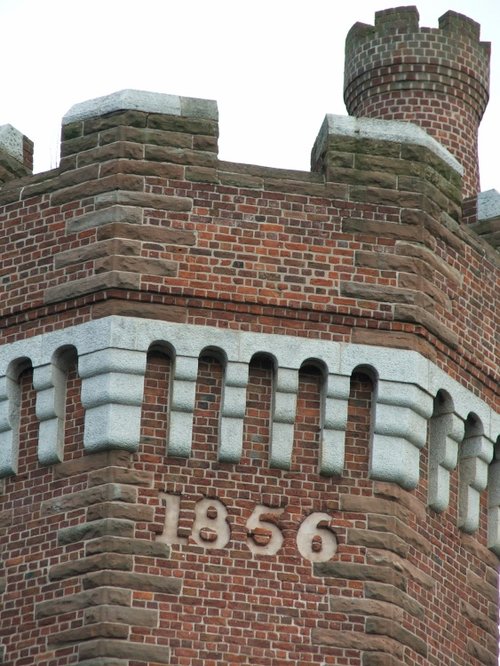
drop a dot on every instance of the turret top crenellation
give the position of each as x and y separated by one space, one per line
435 77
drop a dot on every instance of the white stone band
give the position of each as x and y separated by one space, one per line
112 362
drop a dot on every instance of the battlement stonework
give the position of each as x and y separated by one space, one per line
251 415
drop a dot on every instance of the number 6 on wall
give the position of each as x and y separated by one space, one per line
316 541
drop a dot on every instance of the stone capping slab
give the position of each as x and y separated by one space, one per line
12 142
488 205
381 130
142 100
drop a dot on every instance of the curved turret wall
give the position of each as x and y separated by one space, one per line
437 78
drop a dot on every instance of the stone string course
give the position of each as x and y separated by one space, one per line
188 343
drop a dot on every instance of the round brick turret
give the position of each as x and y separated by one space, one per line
437 78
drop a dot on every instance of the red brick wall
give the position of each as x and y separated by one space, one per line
404 586
142 220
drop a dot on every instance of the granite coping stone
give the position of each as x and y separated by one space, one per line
488 205
11 142
142 100
382 130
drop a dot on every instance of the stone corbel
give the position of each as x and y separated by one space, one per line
10 396
180 432
446 431
285 405
399 432
334 421
112 394
475 456
233 412
49 382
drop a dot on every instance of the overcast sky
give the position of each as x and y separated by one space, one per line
275 67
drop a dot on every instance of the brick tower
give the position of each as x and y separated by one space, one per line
248 415
436 78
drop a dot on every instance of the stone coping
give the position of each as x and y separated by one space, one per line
11 142
382 130
142 100
488 205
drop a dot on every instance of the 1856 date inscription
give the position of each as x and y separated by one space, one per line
315 538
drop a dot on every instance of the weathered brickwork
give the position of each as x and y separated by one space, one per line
251 415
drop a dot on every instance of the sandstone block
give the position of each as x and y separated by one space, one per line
97 528
141 167
6 517
471 544
120 475
97 250
392 595
146 233
371 292
135 512
103 281
394 492
156 654
94 461
413 313
116 544
384 558
478 584
144 200
476 617
386 627
104 661
94 597
92 563
369 505
354 571
91 188
357 641
126 264
397 527
201 174
108 492
110 151
183 156
484 656
373 539
139 309
133 581
117 214
359 606
88 632
368 178
404 232
137 617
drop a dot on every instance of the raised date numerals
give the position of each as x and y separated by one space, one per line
315 538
